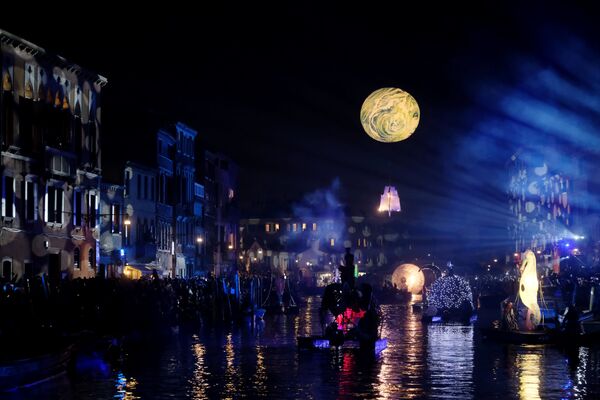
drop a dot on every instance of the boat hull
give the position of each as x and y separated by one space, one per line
29 371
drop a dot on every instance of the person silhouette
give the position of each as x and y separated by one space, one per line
347 270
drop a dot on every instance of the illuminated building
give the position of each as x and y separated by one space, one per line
140 241
112 225
50 131
540 202
321 248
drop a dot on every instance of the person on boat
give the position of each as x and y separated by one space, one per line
509 320
403 286
347 270
571 323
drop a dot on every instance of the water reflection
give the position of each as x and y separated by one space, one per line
528 365
450 355
403 363
421 361
199 381
125 387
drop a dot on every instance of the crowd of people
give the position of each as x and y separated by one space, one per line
35 308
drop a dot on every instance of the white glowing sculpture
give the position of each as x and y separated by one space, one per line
528 289
389 200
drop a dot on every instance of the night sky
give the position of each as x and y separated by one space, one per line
280 91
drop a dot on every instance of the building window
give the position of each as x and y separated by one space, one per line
54 205
8 197
77 208
145 187
116 218
139 187
92 259
127 182
303 226
152 189
276 227
267 228
295 227
92 205
7 269
30 200
332 242
76 258
288 227
314 226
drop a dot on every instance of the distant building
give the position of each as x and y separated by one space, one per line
315 244
50 168
113 219
221 213
140 205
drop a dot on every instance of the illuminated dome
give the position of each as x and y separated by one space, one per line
450 292
414 278
390 115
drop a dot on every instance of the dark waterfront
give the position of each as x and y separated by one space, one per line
421 361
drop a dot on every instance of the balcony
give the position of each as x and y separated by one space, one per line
165 163
164 210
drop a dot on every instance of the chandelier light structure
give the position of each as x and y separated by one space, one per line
389 201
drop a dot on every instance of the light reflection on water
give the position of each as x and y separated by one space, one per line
262 361
450 352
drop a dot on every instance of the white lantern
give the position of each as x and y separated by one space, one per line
389 200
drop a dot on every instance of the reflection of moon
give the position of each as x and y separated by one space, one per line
390 115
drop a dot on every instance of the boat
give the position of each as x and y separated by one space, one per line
530 321
393 296
542 336
321 342
23 372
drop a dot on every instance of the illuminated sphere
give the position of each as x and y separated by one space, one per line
450 293
414 278
390 115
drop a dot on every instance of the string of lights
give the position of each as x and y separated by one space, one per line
450 292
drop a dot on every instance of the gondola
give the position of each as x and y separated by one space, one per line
22 372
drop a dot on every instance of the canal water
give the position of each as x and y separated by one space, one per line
421 361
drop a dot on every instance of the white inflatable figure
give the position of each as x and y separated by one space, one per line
528 290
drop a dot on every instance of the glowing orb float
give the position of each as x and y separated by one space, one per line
390 115
414 278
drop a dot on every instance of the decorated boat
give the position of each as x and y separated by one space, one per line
523 320
356 316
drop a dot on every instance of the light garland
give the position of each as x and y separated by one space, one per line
450 292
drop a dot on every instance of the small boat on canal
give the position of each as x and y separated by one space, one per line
33 369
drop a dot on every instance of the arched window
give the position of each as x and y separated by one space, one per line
7 268
92 258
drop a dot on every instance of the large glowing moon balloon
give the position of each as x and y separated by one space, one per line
390 115
413 276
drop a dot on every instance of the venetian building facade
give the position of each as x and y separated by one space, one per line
140 197
50 124
221 214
